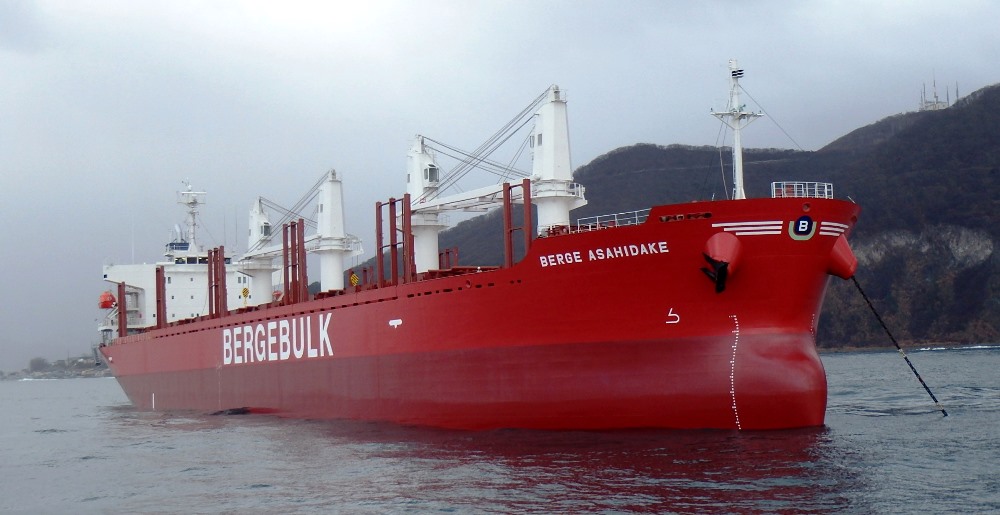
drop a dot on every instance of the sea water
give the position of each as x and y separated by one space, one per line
77 446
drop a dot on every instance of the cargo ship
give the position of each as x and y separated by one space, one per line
693 315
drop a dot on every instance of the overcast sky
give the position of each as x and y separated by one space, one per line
106 106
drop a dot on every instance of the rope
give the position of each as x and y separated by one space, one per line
900 349
478 157
783 131
467 158
720 140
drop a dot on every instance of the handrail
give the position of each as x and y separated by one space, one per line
798 189
593 223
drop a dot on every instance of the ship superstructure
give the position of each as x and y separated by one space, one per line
185 271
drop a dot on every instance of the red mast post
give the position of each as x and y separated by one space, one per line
122 311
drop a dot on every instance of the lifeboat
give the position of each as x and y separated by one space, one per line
107 301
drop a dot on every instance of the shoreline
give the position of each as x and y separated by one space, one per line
58 373
909 346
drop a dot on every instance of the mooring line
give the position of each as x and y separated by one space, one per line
900 349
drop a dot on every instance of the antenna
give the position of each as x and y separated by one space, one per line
191 199
736 117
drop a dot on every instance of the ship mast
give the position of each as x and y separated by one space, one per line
736 117
191 199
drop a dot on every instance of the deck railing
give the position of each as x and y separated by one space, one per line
796 189
593 223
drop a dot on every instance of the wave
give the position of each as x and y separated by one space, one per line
960 347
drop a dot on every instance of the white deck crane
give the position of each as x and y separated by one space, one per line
552 187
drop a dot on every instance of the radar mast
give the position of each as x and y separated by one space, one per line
736 117
191 199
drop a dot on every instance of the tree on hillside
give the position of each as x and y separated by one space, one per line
38 364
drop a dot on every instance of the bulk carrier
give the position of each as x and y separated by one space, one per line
694 315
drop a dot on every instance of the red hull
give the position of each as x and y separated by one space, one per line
611 328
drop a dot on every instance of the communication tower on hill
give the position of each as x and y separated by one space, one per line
934 103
